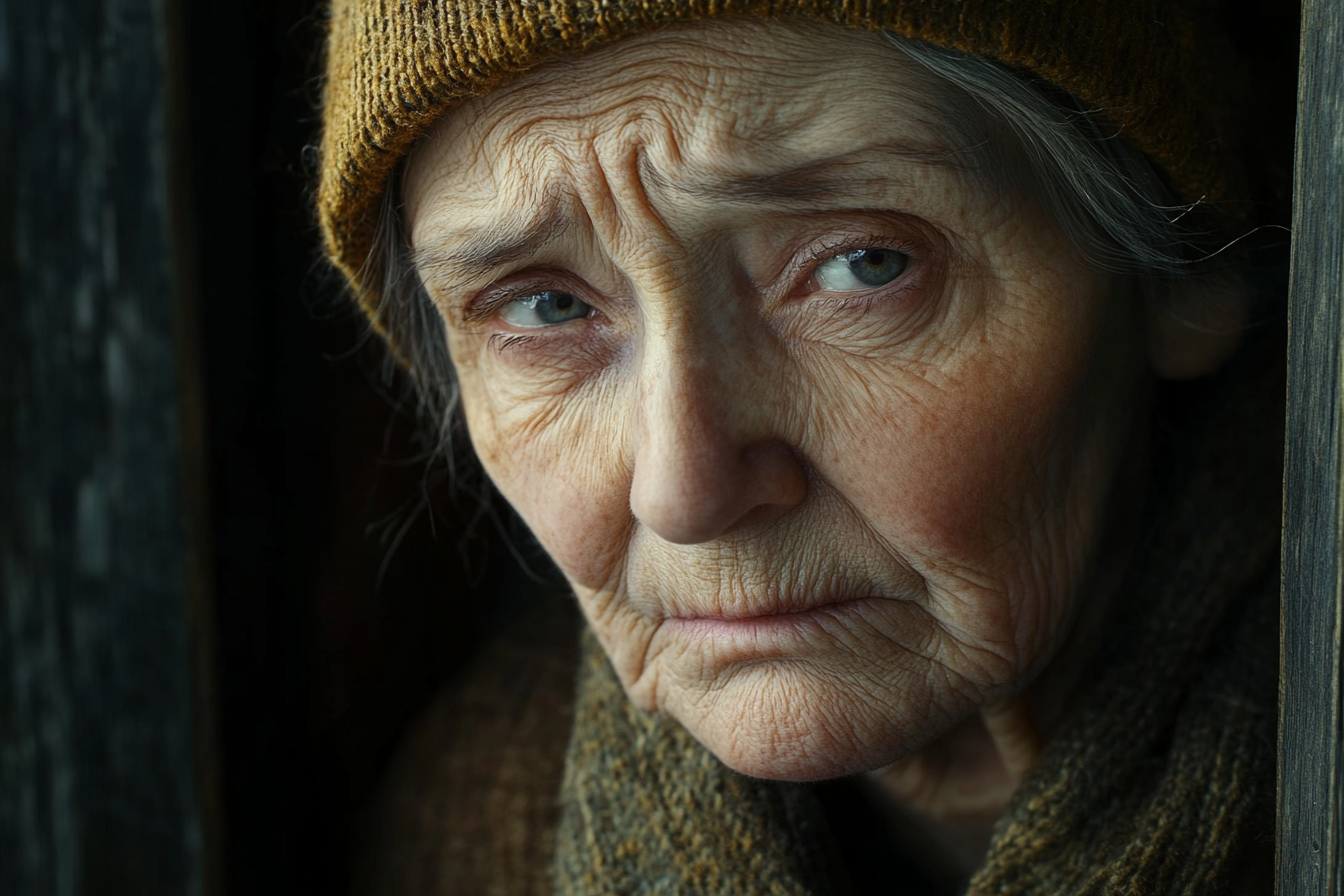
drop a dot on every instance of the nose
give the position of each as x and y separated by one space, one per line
706 462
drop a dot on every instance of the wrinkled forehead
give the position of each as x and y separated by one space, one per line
720 102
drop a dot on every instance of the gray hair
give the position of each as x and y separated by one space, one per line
1104 196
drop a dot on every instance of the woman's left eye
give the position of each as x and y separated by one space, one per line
861 269
544 309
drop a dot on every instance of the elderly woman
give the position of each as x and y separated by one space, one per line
822 347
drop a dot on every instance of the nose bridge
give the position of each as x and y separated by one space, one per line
702 374
710 452
685 425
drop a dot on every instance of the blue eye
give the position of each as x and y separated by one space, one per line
544 309
861 269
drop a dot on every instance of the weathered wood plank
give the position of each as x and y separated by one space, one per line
102 784
1309 854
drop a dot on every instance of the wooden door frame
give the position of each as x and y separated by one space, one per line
1309 831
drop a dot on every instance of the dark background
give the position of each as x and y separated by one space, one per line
343 599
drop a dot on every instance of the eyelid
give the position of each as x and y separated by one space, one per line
825 253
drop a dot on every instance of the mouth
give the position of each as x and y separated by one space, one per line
779 622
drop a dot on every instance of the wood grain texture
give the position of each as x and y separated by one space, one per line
1309 851
100 624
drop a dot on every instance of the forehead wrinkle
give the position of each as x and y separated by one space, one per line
620 208
658 123
643 175
821 180
594 189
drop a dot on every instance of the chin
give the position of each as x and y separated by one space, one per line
780 723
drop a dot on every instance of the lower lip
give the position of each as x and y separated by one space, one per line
754 628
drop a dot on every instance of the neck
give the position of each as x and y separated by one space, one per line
944 800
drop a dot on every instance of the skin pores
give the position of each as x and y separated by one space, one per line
824 426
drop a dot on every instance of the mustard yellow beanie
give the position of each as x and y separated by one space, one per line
1155 68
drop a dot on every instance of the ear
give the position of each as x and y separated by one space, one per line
1196 327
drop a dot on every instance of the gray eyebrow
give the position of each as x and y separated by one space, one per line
481 253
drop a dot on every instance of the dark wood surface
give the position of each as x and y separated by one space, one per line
105 760
1309 735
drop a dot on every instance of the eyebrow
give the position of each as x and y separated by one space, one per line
477 255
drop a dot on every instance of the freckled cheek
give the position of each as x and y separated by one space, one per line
956 476
557 462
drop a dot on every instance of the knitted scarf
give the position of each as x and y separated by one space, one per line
1160 783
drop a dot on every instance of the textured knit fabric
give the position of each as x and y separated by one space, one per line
1159 784
1154 67
651 811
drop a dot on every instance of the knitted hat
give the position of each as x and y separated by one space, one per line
395 66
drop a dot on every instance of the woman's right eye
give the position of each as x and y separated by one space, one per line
544 309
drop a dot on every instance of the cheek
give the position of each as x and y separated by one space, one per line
970 447
989 470
559 464
922 451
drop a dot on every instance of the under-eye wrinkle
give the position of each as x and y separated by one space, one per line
502 342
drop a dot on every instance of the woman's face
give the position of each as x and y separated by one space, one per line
825 427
